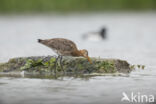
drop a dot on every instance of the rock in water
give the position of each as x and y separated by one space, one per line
72 65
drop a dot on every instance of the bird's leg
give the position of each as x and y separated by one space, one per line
61 63
56 64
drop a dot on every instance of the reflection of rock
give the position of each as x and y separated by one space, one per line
72 65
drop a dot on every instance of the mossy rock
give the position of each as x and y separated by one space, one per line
71 65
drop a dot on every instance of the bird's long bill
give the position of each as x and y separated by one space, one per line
89 59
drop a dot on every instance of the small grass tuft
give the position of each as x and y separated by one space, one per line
107 67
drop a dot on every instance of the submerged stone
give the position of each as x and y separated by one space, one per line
70 65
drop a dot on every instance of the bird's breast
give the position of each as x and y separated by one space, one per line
57 52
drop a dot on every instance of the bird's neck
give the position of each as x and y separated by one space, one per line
77 53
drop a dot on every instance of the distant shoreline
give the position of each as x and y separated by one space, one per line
69 6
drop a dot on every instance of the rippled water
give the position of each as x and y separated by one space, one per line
130 37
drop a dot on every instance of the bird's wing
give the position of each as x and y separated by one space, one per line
63 44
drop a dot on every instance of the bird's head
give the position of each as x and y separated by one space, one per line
40 40
103 32
44 42
84 53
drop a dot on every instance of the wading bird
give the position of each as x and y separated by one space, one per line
96 36
64 47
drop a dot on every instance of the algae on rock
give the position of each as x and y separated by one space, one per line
46 64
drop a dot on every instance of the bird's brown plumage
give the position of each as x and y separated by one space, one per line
64 47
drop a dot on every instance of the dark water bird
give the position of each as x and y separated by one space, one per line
96 36
64 47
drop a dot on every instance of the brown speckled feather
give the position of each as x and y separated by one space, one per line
64 47
60 46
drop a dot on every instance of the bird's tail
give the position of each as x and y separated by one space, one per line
39 40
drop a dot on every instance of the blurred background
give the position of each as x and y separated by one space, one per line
123 29
64 6
129 25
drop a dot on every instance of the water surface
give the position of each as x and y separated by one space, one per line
131 37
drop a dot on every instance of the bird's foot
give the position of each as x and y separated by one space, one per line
61 65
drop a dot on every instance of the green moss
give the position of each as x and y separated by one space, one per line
139 66
107 67
1 67
76 65
31 63
39 65
143 67
134 67
51 62
12 60
80 67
